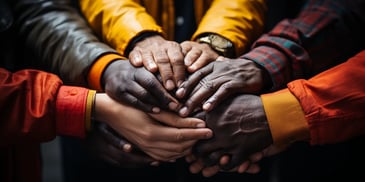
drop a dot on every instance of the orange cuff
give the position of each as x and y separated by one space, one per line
97 70
285 116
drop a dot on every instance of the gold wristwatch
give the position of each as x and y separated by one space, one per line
221 45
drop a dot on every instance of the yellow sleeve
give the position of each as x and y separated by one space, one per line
286 117
240 21
118 22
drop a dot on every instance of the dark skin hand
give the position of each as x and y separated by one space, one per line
137 86
240 129
104 143
210 85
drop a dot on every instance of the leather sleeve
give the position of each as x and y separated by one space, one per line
59 38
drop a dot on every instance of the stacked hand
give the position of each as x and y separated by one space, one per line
240 129
238 122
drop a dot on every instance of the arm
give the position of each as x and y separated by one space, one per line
241 22
61 41
311 42
118 15
295 48
35 107
330 106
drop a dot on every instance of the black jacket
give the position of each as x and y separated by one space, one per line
50 35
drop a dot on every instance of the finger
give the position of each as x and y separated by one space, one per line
217 97
149 61
135 102
243 167
151 84
190 59
177 62
190 158
196 167
256 157
135 58
186 134
197 97
109 136
144 95
210 171
163 63
202 60
213 158
186 87
224 160
254 168
173 120
164 155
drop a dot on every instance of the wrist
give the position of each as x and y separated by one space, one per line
219 44
139 38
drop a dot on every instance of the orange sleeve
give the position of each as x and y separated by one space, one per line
285 116
97 70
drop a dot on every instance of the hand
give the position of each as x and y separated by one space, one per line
136 86
240 129
218 80
106 144
197 55
164 136
249 166
156 53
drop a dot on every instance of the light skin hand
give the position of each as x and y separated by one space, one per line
104 143
197 55
164 136
217 81
158 54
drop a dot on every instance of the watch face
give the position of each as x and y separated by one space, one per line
220 42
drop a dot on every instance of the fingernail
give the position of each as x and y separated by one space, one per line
207 106
170 85
180 82
127 148
155 163
155 110
183 111
173 106
172 160
180 92
200 125
209 135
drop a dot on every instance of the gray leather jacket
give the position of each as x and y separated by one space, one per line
53 36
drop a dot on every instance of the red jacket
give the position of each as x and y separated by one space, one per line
328 108
34 108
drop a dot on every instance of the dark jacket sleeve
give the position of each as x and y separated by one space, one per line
58 38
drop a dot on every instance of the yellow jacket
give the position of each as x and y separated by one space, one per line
119 21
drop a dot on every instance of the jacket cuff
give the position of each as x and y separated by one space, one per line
286 118
71 108
97 69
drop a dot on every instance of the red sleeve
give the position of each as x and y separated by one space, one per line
28 107
334 101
